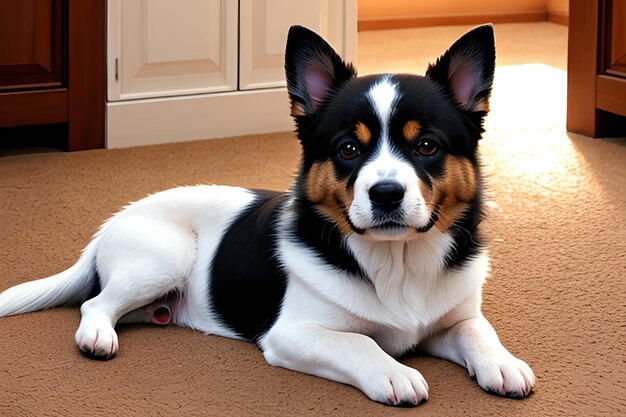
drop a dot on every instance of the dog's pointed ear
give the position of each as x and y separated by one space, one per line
313 69
466 70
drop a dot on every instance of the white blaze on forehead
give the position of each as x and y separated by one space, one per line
383 95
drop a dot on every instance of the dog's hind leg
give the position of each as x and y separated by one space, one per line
139 261
158 312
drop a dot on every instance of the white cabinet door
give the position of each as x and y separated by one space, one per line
263 33
160 48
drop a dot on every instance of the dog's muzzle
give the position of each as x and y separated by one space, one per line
388 214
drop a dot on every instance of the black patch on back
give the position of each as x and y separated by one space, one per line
248 284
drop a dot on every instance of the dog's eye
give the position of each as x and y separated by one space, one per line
349 151
427 147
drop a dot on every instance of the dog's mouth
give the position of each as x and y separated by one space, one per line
390 230
393 228
390 226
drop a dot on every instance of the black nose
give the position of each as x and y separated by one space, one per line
386 196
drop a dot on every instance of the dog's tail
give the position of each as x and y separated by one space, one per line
71 286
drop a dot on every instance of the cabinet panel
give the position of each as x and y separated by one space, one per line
174 59
52 70
617 56
263 33
162 48
31 47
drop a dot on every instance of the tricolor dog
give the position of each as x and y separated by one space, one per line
373 252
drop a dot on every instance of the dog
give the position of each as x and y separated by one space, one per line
374 251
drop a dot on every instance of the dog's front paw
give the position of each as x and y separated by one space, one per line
504 375
396 385
97 340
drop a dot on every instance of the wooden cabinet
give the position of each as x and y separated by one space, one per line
197 69
616 39
263 32
596 79
31 47
52 68
160 48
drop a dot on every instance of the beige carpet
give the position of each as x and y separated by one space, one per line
557 293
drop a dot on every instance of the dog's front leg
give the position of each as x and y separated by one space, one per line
468 339
350 358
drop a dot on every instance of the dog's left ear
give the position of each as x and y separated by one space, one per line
466 69
313 69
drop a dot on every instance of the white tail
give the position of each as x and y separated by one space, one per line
68 287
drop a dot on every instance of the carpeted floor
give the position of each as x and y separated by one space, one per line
556 295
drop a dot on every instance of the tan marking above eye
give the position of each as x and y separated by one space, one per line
411 130
362 133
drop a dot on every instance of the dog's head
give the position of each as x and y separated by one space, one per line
390 156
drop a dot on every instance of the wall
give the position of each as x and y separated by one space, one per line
558 11
558 7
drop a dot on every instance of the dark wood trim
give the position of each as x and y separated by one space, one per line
582 68
596 102
614 42
424 21
86 74
47 106
47 63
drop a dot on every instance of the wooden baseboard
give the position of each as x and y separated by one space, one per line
558 18
424 21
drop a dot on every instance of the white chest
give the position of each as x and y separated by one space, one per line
408 291
407 278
